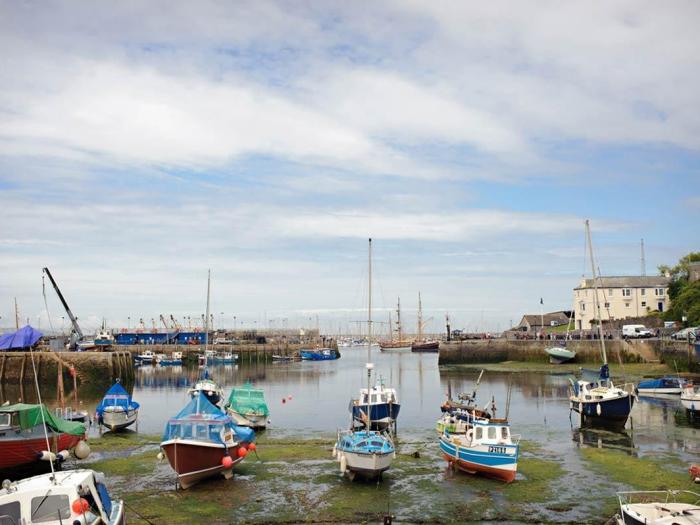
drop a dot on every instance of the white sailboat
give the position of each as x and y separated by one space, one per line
366 452
594 397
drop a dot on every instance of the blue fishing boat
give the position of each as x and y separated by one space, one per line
117 410
173 359
322 354
661 385
380 406
486 448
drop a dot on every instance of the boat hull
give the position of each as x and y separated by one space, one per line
25 447
604 411
368 465
194 461
654 391
255 421
482 459
690 403
118 419
558 355
382 415
428 346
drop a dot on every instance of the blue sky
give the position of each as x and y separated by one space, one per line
142 143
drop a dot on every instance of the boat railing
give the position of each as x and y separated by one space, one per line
515 438
630 388
654 496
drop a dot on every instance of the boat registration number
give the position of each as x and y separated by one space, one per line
497 450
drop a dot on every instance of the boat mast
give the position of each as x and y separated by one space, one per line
369 338
420 319
206 321
596 301
399 331
16 315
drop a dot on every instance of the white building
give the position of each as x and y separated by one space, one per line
620 298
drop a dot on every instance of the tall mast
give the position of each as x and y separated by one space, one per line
596 301
16 315
206 321
369 313
391 329
420 319
644 262
399 331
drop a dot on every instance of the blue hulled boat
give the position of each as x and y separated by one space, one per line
661 385
382 407
322 354
598 401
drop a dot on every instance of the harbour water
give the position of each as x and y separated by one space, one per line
566 474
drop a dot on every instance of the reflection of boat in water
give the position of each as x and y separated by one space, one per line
659 507
598 438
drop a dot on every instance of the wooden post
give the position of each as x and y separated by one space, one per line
21 370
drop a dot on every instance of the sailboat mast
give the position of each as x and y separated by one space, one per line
596 301
16 315
420 319
206 322
399 330
369 312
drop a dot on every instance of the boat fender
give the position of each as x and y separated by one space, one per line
335 451
343 464
580 407
81 450
62 456
45 455
598 410
160 456
571 405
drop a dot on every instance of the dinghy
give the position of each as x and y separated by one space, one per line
559 354
117 410
660 507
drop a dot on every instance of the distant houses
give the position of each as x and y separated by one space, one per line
533 323
620 298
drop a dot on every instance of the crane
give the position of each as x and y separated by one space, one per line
74 321
165 323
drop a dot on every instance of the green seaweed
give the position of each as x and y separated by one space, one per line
130 465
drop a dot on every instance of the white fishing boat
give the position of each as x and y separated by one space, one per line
367 453
117 410
72 496
146 357
659 507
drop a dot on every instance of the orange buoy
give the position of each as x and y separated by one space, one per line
227 461
80 506
251 446
242 452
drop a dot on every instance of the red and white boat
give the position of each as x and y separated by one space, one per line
202 441
30 433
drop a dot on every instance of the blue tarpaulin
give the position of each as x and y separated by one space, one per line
22 338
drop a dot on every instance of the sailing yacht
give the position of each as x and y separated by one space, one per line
400 343
422 344
365 452
594 396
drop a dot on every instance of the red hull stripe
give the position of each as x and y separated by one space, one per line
472 468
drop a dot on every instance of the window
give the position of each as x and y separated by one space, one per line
374 398
659 291
492 432
607 305
583 307
644 303
4 420
626 292
49 508
504 432
627 305
643 291
9 513
610 291
479 432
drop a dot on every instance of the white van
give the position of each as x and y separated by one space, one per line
636 330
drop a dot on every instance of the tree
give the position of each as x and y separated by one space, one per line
685 296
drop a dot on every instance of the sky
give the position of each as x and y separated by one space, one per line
143 143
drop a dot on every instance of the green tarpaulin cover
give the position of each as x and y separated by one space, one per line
30 416
248 400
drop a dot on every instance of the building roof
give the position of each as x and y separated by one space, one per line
633 281
536 319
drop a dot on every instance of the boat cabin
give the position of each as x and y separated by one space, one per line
365 442
378 395
200 429
54 498
493 432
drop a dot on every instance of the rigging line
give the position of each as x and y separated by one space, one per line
43 417
46 304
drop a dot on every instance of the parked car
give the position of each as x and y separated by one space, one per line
682 335
636 331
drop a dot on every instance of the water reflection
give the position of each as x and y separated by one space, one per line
599 438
